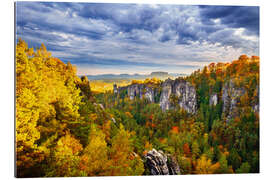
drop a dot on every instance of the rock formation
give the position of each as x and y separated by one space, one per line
231 95
139 91
165 94
256 106
150 94
115 89
185 95
183 90
213 99
158 164
135 90
173 166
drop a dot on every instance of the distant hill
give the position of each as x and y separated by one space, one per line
159 74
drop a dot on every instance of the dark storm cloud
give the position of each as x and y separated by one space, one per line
126 16
139 35
233 16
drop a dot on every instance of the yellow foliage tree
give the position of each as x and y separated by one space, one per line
27 110
205 166
66 159
47 100
94 160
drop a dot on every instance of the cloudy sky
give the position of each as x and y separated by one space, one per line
136 38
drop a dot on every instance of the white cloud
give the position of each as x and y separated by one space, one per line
134 34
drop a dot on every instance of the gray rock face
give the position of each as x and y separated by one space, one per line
183 90
187 94
256 106
115 89
113 120
134 90
213 100
149 94
141 90
166 92
138 90
99 105
158 164
173 166
231 97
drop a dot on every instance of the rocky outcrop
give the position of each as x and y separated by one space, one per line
173 166
182 90
166 92
115 89
256 106
138 90
100 105
150 94
231 98
158 164
135 90
213 99
187 95
113 120
141 90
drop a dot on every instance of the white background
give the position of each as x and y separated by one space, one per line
7 88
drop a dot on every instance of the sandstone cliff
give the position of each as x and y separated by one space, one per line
231 97
179 88
158 164
213 99
141 90
182 90
185 96
146 91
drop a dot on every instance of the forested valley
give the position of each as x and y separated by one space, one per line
204 123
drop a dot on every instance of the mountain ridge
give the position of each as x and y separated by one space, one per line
158 74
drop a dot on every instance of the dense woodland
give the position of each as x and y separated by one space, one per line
65 129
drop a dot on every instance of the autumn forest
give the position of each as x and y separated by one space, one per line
203 123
